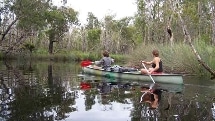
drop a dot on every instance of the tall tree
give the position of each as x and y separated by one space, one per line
28 17
22 18
92 21
59 21
140 20
93 30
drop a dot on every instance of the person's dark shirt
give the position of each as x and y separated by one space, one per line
160 66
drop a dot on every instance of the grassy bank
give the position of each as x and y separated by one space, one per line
179 58
176 59
61 56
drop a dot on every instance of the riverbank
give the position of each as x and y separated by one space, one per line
178 58
69 56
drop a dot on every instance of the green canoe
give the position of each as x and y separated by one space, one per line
175 88
136 75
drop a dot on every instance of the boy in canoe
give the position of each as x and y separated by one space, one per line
156 63
105 62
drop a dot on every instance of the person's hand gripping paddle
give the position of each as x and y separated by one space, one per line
148 72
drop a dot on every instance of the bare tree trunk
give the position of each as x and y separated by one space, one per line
51 44
84 40
8 29
213 27
145 35
188 38
169 30
107 42
200 15
148 34
170 35
213 31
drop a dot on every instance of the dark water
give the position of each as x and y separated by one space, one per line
50 91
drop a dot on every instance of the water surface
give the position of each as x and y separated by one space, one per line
53 91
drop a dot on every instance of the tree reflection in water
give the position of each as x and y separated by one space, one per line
24 96
50 92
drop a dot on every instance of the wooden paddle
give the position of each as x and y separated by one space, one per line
148 72
86 63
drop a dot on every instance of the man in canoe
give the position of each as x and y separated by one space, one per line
105 62
156 63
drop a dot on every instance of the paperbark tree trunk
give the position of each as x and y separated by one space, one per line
213 27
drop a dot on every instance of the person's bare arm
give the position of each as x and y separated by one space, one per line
147 62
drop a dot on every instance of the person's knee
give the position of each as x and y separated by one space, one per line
143 71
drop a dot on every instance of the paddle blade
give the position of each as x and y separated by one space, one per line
85 63
85 85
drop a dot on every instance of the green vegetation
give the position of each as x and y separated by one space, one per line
63 55
177 59
39 30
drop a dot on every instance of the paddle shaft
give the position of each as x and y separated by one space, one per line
148 72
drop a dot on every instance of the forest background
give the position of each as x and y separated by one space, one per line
182 30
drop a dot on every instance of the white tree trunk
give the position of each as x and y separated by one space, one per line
213 28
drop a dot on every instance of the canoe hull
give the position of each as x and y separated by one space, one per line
158 78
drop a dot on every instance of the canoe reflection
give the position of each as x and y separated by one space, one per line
144 97
103 87
106 85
